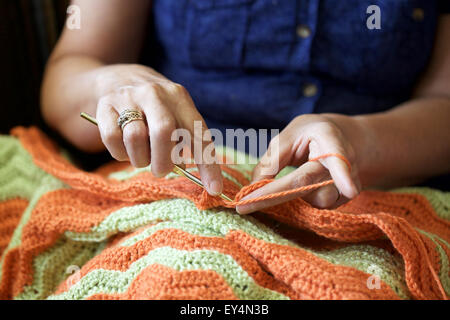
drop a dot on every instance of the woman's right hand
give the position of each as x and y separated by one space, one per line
92 70
166 106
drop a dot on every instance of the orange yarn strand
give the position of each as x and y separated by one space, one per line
248 189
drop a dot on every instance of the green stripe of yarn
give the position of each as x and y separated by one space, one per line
22 179
374 261
48 184
19 176
178 225
445 268
439 200
214 222
113 282
55 264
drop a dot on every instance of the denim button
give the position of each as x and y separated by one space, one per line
303 31
310 90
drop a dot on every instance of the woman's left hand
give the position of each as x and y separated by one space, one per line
305 138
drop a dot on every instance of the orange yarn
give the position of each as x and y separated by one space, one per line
10 213
121 258
158 282
371 216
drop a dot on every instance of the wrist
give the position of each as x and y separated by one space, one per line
362 138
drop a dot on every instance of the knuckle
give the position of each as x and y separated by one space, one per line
147 90
125 91
274 145
351 155
301 118
152 87
151 91
325 128
304 119
301 180
179 89
105 100
176 90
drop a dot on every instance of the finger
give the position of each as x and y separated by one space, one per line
324 197
338 168
110 132
202 146
161 126
307 174
340 173
136 140
342 199
279 154
135 133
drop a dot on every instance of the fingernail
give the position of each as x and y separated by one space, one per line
157 174
160 174
354 191
215 188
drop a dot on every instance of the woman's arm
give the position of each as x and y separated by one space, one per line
399 147
412 141
402 146
111 32
94 70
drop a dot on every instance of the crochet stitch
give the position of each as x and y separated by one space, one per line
120 233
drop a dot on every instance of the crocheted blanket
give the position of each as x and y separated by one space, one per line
120 233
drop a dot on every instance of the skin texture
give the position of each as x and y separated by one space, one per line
94 70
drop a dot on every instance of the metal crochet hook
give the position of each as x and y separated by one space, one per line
177 169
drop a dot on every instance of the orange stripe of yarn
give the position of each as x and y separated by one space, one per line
120 258
10 214
158 282
55 213
310 276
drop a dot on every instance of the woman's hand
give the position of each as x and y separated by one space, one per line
166 105
305 138
92 70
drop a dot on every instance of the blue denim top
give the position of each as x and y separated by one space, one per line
260 63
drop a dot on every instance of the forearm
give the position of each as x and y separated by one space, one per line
402 146
69 87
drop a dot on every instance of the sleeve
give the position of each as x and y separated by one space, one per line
444 6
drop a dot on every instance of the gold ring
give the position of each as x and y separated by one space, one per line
127 116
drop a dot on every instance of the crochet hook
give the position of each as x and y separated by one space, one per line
177 169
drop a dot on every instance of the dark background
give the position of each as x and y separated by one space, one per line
28 31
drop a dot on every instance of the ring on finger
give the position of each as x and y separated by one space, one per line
128 116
